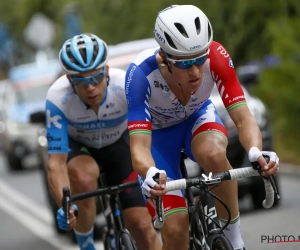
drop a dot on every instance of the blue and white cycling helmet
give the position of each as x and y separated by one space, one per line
83 53
183 30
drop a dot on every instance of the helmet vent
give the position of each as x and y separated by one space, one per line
170 41
197 24
181 29
209 31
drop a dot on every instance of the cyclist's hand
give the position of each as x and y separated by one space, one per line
61 219
257 156
150 187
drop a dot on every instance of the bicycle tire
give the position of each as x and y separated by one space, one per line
126 242
221 243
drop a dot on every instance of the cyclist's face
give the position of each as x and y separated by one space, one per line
190 71
91 94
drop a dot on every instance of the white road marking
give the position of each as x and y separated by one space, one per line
43 213
34 217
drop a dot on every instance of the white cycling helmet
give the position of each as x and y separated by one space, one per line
183 30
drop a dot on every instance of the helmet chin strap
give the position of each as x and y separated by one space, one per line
165 63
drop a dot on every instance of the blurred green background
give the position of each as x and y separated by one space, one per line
251 30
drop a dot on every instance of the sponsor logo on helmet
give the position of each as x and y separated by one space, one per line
159 36
195 47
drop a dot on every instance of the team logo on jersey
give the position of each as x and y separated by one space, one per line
160 85
200 120
110 105
223 51
128 101
231 63
66 97
53 119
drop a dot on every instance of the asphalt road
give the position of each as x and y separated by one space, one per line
26 221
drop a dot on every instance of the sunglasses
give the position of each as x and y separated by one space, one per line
187 64
85 81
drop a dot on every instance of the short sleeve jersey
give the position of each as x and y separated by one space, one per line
67 115
152 105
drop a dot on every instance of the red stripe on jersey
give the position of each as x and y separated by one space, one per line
223 73
211 127
139 125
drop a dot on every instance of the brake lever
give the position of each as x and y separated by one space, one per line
66 200
271 178
274 186
158 203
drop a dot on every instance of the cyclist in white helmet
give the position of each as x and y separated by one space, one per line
86 118
169 108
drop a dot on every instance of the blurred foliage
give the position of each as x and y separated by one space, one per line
280 87
239 25
248 29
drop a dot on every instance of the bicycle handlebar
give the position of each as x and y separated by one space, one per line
67 198
213 179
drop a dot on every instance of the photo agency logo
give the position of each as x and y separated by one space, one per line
276 239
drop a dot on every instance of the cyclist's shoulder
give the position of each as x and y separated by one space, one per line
59 89
117 76
219 58
116 85
217 50
145 60
61 84
142 67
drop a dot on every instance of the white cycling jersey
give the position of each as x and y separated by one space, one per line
67 115
152 105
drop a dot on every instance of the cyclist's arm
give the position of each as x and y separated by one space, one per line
140 147
138 93
57 175
248 130
232 94
57 137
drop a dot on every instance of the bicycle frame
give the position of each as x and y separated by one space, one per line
204 203
115 225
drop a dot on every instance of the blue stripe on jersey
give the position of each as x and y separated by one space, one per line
138 92
99 124
149 64
57 129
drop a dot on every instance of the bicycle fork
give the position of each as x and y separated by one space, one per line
207 224
212 225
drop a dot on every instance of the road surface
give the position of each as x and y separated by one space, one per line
26 221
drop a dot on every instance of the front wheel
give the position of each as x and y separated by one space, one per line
126 242
221 243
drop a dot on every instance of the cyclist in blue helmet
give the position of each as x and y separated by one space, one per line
86 119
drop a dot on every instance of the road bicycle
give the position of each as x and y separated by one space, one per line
115 236
206 231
